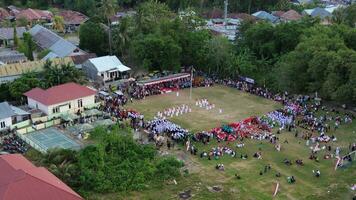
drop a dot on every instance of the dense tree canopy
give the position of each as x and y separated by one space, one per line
93 37
115 163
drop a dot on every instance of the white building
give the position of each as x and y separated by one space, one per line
105 68
69 97
10 115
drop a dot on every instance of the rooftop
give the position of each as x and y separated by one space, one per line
47 39
5 110
21 180
73 17
34 14
13 57
60 93
291 15
8 33
30 66
106 63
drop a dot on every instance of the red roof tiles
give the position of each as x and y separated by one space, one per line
73 17
34 14
21 180
291 15
60 93
4 14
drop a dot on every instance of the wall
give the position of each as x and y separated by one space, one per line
90 70
89 100
8 123
32 104
48 110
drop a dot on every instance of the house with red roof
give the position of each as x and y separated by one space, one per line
21 180
34 15
72 19
68 97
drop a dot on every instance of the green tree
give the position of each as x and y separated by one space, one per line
121 36
157 52
150 14
59 74
23 84
219 57
93 38
16 39
58 23
27 46
108 9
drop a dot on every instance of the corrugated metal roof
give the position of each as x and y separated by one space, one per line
47 39
106 63
5 110
8 33
20 68
265 16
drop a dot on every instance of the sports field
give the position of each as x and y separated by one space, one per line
50 138
202 176
235 105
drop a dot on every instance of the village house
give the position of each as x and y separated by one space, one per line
105 68
34 15
7 35
21 180
58 46
263 15
79 60
72 19
10 115
4 14
69 97
11 57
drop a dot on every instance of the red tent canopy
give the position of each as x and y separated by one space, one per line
164 79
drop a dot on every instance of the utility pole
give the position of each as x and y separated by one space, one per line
191 83
226 3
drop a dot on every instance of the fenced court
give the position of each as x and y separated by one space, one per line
45 139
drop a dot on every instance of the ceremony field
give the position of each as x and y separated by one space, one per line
203 176
235 105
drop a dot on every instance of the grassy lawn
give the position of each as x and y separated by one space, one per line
238 105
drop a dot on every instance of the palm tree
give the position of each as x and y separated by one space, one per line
58 23
122 35
108 8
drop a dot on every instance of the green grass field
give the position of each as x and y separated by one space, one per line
238 105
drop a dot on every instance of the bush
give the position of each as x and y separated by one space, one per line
168 168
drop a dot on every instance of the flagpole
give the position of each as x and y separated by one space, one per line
191 83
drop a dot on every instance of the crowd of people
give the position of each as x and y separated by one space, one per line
163 126
174 111
13 144
140 91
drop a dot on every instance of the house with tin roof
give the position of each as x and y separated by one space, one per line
7 35
21 180
68 97
263 15
59 47
11 115
105 68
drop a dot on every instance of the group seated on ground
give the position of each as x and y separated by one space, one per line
162 126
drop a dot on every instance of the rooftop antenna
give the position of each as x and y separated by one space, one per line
226 3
